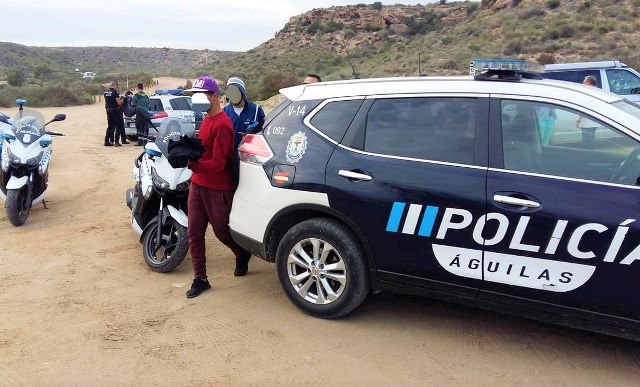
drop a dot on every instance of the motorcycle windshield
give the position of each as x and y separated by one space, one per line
172 129
28 126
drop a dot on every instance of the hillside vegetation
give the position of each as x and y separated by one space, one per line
371 40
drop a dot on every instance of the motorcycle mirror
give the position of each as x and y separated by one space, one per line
58 117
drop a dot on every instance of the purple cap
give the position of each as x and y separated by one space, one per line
204 84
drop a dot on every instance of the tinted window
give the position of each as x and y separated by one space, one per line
555 140
334 118
180 104
441 129
155 105
574 76
622 81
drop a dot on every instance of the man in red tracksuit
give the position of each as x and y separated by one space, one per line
212 188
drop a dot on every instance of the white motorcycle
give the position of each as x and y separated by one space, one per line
158 202
25 156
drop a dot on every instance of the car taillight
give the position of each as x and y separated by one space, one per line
254 149
160 115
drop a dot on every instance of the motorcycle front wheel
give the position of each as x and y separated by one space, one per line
16 206
172 249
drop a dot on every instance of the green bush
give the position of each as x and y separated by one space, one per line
314 28
333 26
553 4
58 94
472 7
377 5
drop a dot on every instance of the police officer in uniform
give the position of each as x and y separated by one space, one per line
115 123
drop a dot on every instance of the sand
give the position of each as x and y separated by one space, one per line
78 306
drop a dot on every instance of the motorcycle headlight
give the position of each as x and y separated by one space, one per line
158 181
184 186
34 160
13 159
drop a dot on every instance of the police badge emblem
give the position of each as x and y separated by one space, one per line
296 147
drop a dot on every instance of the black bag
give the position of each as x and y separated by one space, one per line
183 150
128 108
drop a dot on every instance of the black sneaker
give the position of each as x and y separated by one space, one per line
199 285
242 265
125 142
117 144
108 144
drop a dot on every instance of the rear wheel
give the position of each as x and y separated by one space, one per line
16 206
321 268
171 251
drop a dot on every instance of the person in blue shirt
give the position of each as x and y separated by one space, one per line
243 113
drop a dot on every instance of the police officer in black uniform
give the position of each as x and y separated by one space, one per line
115 123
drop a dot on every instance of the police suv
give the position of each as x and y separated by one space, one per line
504 190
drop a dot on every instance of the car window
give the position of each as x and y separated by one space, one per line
440 129
623 81
555 140
155 105
179 104
334 118
574 76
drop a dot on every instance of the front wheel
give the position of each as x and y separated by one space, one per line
322 269
16 206
171 251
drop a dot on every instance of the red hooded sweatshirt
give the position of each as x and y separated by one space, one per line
213 169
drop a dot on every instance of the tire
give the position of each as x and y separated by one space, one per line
174 249
15 206
344 286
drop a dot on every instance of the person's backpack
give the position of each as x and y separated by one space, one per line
128 108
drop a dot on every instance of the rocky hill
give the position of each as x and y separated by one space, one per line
374 40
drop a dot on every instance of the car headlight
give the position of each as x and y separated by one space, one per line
35 160
184 186
157 180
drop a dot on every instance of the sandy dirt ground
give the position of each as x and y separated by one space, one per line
78 306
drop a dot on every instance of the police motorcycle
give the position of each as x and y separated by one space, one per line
158 201
25 157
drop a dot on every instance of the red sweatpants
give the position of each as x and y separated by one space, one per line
209 206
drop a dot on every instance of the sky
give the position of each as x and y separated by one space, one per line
194 24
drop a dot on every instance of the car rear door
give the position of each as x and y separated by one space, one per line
562 231
410 173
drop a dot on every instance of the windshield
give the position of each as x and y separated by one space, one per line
28 125
623 81
172 129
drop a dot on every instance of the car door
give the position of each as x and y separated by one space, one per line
562 230
182 109
410 173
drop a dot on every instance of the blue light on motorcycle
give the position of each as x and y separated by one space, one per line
153 153
8 136
45 143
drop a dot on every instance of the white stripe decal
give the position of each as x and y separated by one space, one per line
411 220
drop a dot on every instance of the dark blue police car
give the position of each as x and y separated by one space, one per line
514 194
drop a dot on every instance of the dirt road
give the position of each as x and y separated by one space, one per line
78 306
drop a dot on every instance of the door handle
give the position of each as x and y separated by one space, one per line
515 201
354 175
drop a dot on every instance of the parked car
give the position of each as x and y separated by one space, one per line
480 190
612 75
162 107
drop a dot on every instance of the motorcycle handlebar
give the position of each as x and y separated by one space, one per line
54 134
